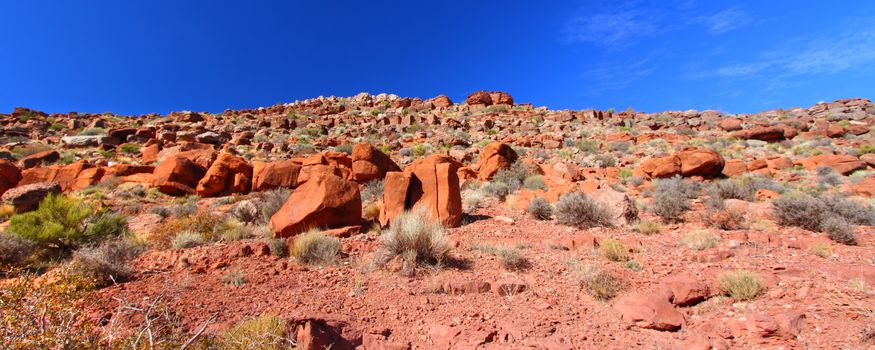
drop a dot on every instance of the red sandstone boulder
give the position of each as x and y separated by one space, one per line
326 201
501 98
840 163
730 124
177 176
368 163
27 198
479 98
733 167
281 173
649 310
621 207
228 174
432 183
494 157
40 158
661 167
763 133
700 162
87 177
10 175
441 101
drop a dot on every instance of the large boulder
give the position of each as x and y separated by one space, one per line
661 167
650 310
10 175
40 158
762 133
621 207
479 98
177 176
501 98
432 184
701 162
27 198
368 163
494 157
441 101
840 163
326 201
228 174
281 173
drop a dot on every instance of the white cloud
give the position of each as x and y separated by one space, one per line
618 75
726 20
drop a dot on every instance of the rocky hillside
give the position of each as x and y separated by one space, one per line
431 224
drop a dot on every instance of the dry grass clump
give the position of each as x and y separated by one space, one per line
741 285
540 209
699 240
576 209
201 222
820 249
511 259
315 248
372 191
595 281
15 250
245 212
272 201
265 332
614 250
648 227
106 263
417 238
187 239
671 198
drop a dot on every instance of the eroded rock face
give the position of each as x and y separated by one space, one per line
228 174
369 164
762 133
27 198
843 163
701 162
325 201
479 98
494 157
432 184
650 310
270 175
9 175
177 176
41 158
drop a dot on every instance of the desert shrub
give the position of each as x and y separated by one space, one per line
826 177
634 265
417 238
419 149
471 199
587 146
345 148
595 281
14 250
45 314
264 332
838 229
278 247
29 149
540 209
606 160
246 212
202 222
497 189
830 214
371 212
514 176
576 209
273 200
699 240
614 250
93 132
727 219
741 285
129 148
820 249
185 209
535 182
315 248
234 277
161 211
671 198
511 258
648 227
372 191
106 263
187 239
61 222
105 224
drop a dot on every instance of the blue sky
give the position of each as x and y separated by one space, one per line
134 57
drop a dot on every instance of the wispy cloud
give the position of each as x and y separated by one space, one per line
613 26
620 25
726 20
852 50
618 75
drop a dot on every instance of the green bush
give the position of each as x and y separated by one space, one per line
129 148
64 222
